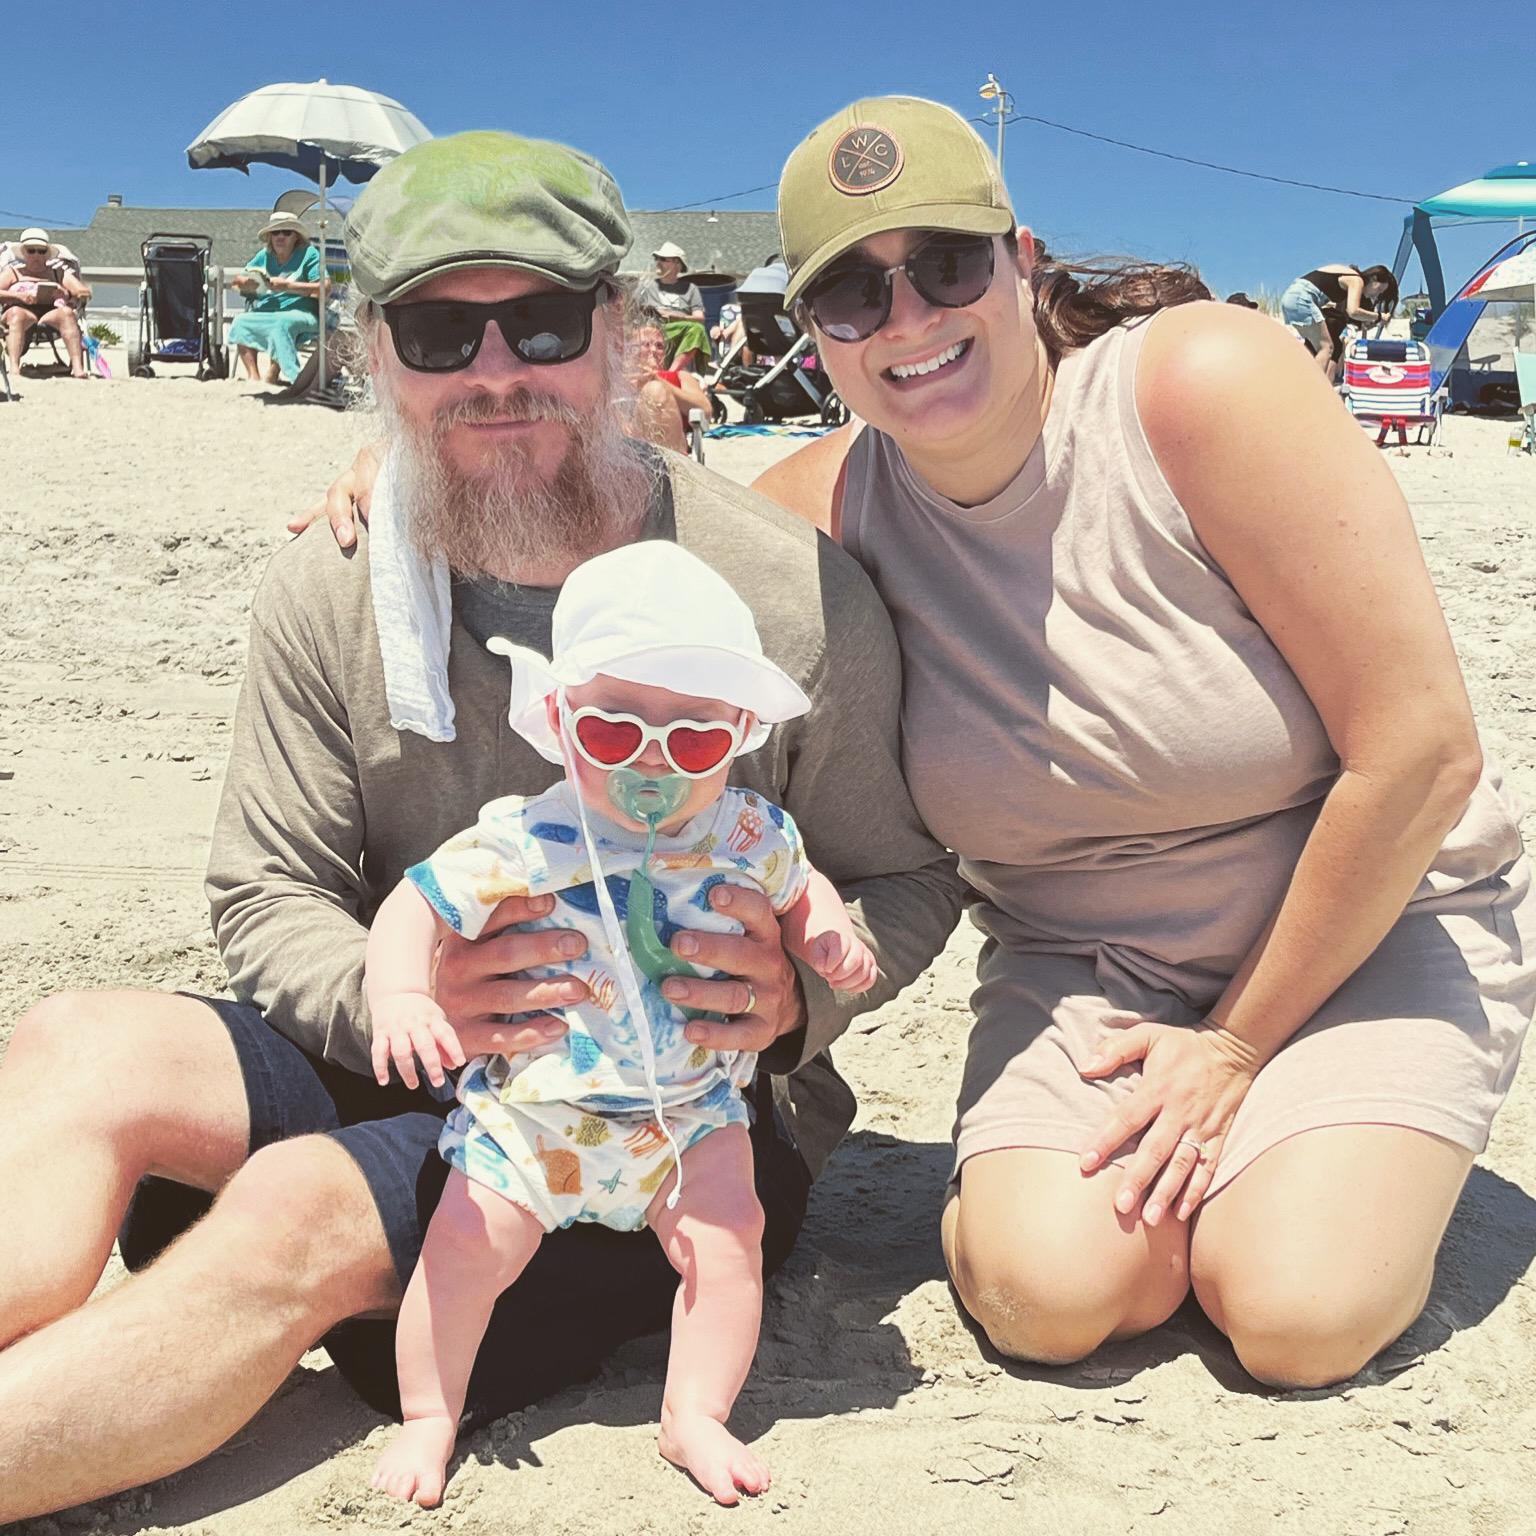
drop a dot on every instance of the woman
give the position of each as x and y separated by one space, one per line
284 281
1319 305
1261 949
42 289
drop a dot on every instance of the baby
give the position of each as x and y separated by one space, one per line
658 683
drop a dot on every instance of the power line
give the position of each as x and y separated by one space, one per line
1209 165
709 202
38 218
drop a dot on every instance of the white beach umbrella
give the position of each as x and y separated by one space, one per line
1512 280
323 131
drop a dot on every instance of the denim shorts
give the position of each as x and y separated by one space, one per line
1301 307
586 1291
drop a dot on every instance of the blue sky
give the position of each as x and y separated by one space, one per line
686 110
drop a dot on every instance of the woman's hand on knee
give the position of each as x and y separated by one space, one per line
1193 1079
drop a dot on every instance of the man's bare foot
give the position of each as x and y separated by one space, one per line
716 1460
413 1466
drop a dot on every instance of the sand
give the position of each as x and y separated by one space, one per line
136 518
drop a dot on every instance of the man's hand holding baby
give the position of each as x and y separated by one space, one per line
479 983
757 989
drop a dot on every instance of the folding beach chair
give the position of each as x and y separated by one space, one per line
5 378
1387 383
180 308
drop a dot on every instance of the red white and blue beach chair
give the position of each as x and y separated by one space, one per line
1388 383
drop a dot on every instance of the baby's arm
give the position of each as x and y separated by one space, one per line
407 1023
818 929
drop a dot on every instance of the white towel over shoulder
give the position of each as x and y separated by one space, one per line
413 610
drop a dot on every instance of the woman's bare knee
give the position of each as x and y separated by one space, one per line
299 1223
1045 1265
1312 1336
1050 1313
1311 1275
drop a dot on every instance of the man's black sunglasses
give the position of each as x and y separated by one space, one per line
444 335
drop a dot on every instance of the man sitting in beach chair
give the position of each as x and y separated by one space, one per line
41 286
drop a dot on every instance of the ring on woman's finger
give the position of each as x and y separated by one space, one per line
1189 1141
751 998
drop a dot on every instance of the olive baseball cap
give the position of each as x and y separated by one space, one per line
888 162
486 200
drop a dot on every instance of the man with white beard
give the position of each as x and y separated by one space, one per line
371 724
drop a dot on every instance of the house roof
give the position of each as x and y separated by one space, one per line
730 241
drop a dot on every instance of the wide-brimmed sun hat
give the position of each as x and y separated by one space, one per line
34 236
669 248
486 199
888 162
283 224
654 614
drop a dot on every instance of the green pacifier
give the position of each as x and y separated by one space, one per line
651 801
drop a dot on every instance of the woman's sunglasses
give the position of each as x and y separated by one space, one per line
693 748
444 335
852 302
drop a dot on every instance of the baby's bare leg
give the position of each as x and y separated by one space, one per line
714 1240
477 1244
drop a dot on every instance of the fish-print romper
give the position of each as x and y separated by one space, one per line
568 1130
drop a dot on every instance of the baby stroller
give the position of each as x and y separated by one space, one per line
181 313
1387 383
784 378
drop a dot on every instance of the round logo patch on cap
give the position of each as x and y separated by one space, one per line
864 160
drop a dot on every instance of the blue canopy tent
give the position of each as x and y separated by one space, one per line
1507 192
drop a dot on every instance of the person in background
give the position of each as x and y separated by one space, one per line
663 397
283 282
1321 303
42 288
681 307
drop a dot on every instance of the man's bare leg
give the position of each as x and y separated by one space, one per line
162 1370
96 1091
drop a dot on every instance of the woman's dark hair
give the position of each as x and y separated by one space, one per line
1388 300
1069 312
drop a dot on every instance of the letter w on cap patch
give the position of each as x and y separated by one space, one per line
864 160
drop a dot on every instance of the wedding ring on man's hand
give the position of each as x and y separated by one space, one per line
751 998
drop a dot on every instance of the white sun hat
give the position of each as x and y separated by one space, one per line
654 614
669 248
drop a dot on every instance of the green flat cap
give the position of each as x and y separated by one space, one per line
486 200
888 162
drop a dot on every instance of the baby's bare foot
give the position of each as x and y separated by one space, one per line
713 1457
413 1466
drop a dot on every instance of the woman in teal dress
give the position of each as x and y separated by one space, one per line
285 277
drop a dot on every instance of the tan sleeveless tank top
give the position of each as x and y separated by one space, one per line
1086 694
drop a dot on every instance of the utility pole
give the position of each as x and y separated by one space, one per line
993 91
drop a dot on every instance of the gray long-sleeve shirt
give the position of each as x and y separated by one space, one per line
325 805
